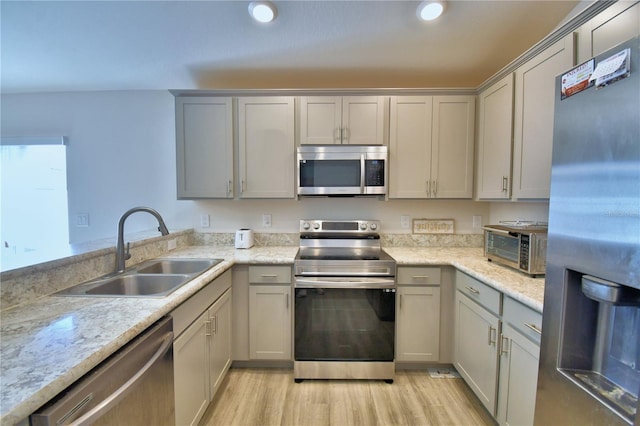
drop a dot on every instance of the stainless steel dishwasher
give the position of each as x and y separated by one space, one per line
132 387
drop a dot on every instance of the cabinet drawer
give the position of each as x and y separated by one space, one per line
522 318
419 275
481 293
188 311
270 274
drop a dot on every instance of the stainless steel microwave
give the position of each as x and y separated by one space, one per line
520 247
342 170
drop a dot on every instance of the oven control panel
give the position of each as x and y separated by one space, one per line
334 226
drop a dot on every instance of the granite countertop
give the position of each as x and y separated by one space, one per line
51 342
519 286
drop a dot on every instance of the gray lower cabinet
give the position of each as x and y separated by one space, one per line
497 346
519 356
202 348
270 313
476 351
418 314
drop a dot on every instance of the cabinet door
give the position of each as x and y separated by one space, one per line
533 120
363 120
219 341
270 322
266 147
518 378
618 23
320 120
452 146
410 146
190 359
495 130
418 323
204 147
475 353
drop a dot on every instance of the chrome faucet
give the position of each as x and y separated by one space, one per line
121 255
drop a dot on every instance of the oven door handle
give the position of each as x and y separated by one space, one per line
344 282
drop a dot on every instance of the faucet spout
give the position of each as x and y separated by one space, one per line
121 256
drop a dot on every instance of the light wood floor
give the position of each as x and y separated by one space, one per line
251 397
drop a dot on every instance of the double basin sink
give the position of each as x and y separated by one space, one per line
153 278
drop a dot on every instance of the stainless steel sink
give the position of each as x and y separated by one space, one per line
176 266
153 278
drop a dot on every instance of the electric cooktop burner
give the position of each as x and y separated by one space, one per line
342 248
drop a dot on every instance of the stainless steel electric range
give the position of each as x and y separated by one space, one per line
345 292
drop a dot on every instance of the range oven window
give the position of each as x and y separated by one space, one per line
335 324
329 173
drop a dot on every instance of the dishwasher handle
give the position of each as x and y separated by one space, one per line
105 405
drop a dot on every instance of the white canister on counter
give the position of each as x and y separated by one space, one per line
244 238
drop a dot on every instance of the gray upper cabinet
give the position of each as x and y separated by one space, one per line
356 120
533 118
431 146
616 24
204 147
266 145
495 135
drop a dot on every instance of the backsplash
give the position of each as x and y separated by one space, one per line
388 240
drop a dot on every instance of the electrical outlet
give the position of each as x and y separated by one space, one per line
405 222
172 244
477 221
204 220
82 220
266 220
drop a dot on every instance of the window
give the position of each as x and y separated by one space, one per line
33 209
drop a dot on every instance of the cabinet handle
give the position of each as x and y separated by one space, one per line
242 185
472 290
435 187
505 183
269 276
533 327
420 277
287 301
400 301
492 336
215 325
504 344
345 136
337 134
207 328
229 183
428 184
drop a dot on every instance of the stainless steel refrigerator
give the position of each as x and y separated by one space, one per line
590 350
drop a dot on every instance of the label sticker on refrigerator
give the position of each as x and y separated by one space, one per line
612 69
577 79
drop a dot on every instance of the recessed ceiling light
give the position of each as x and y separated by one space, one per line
262 11
430 10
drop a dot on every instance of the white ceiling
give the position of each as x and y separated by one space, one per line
125 45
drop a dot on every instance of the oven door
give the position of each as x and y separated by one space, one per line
344 319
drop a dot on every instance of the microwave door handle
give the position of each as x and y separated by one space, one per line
362 173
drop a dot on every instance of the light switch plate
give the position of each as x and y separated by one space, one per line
405 222
266 220
82 220
204 221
